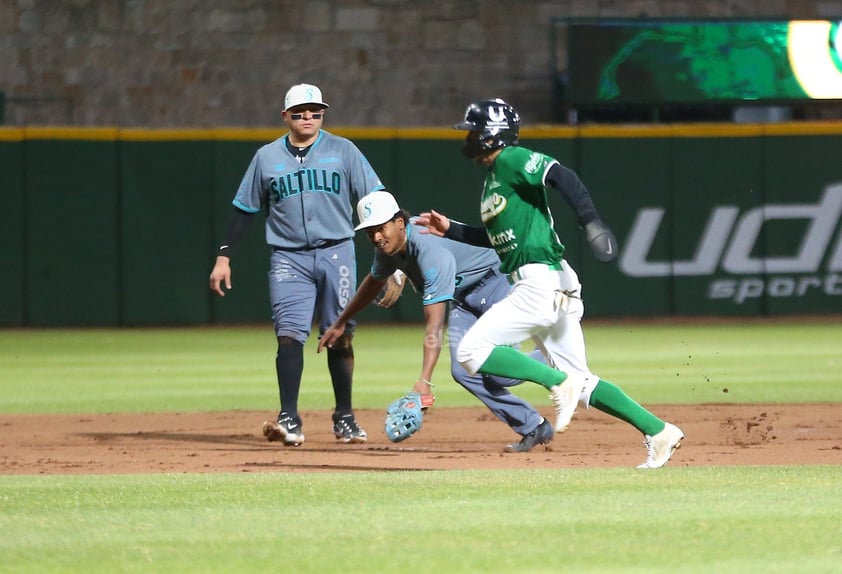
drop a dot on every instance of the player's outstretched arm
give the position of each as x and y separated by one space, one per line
367 291
330 336
433 222
437 224
435 316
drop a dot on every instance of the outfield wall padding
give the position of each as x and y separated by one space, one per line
119 227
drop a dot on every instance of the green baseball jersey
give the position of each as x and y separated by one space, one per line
515 210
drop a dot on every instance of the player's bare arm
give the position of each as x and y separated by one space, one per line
433 222
434 317
221 275
365 294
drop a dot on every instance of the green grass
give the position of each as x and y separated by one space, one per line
675 520
715 519
84 371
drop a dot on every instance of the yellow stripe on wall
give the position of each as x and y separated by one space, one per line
717 130
803 129
65 133
547 132
266 134
149 134
11 134
626 131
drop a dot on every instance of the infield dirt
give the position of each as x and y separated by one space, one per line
451 438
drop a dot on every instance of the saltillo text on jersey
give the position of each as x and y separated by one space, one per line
306 204
304 180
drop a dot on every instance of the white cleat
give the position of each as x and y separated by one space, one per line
565 397
287 430
659 448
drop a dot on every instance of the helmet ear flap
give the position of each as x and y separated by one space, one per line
474 146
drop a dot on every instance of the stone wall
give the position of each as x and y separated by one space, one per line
203 63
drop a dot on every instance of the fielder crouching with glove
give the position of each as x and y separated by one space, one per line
457 284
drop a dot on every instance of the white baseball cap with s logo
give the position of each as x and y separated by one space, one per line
303 94
376 208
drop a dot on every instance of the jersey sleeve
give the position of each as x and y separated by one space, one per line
530 167
382 267
567 182
439 271
361 174
249 197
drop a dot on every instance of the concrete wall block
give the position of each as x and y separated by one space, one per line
453 10
827 9
227 21
446 35
8 16
357 19
402 29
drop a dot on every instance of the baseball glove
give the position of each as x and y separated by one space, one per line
392 290
404 417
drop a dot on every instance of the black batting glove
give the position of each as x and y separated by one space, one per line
601 240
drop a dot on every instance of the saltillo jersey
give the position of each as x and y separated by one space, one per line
308 203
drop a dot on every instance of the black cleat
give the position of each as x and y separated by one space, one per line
542 434
346 429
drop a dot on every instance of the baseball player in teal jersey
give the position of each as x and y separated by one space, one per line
458 283
307 183
545 302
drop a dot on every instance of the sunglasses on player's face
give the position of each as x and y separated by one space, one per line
315 114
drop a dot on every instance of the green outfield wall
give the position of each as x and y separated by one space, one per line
110 227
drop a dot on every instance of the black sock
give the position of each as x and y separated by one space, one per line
340 363
289 364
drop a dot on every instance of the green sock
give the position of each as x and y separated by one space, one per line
509 362
611 399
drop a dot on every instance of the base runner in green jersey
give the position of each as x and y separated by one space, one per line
545 303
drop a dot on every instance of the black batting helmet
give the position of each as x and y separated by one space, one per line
496 124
